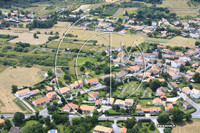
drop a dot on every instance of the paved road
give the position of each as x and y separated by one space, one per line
115 118
195 105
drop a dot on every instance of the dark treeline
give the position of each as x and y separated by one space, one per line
154 13
150 1
18 3
40 24
8 36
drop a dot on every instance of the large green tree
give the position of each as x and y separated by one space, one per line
130 123
177 115
163 118
18 118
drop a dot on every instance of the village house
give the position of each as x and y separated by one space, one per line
198 69
186 90
175 28
147 110
164 33
73 106
123 130
174 103
150 78
187 105
121 74
87 74
31 16
128 102
195 93
133 69
169 108
103 25
123 31
23 92
137 27
2 120
87 109
167 51
93 95
174 85
64 90
49 88
101 129
179 53
192 52
157 102
98 102
195 65
173 75
100 19
76 84
161 91
52 95
41 101
66 108
109 101
35 92
93 81
186 26
119 102
85 24
188 77
72 16
175 64
107 76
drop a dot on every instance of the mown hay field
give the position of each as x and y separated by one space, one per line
187 127
82 7
181 41
19 76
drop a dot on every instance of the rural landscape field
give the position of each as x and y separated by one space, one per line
100 66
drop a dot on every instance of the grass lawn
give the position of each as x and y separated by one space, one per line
144 102
61 127
196 86
111 111
28 123
147 125
3 131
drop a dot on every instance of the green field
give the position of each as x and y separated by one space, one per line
18 102
28 123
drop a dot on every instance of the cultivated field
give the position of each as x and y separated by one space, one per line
26 37
19 76
104 38
181 41
82 7
192 127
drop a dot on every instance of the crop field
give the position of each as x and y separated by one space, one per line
19 76
181 41
104 38
187 127
82 7
26 37
180 7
